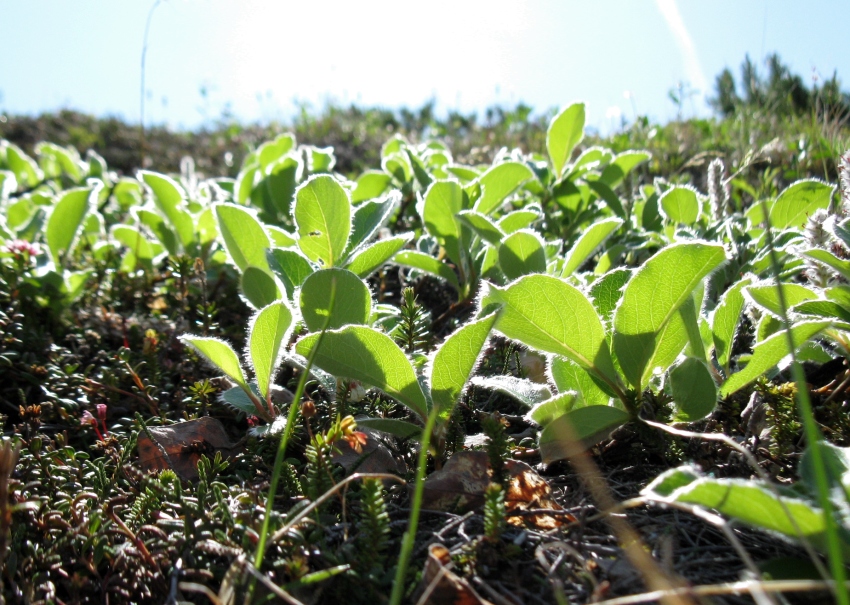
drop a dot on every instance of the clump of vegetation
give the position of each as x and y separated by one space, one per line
264 379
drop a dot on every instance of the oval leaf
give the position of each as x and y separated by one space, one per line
269 331
724 321
578 429
65 221
455 360
353 300
244 237
798 202
369 259
587 244
259 287
220 354
565 132
499 182
323 219
651 298
693 390
364 354
770 352
680 205
549 314
522 253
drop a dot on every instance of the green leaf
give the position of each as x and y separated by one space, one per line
499 182
369 217
455 361
259 287
826 309
798 202
244 237
66 219
770 352
280 237
725 320
166 236
391 426
26 170
443 200
291 267
518 219
607 195
614 173
483 226
522 253
369 259
748 501
693 390
607 291
830 260
220 354
549 314
587 244
246 181
428 264
653 296
766 296
268 331
526 392
554 407
136 242
271 151
364 354
569 376
587 425
168 196
370 185
323 218
680 205
237 398
353 300
565 132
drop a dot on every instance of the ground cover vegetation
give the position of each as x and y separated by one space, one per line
385 357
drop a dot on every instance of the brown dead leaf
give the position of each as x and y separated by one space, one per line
180 446
441 586
460 486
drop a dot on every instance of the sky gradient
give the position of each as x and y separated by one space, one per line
258 59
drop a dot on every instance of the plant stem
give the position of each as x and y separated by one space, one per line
409 539
287 433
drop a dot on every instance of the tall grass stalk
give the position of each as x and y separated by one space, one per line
813 434
287 434
410 535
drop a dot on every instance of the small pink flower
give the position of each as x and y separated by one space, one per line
21 247
90 420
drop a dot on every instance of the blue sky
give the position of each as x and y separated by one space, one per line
259 58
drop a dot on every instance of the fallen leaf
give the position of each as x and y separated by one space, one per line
440 585
180 446
460 486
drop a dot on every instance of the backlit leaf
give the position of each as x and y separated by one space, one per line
323 218
565 132
268 332
353 302
364 354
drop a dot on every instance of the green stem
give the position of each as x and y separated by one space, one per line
287 433
813 435
409 539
